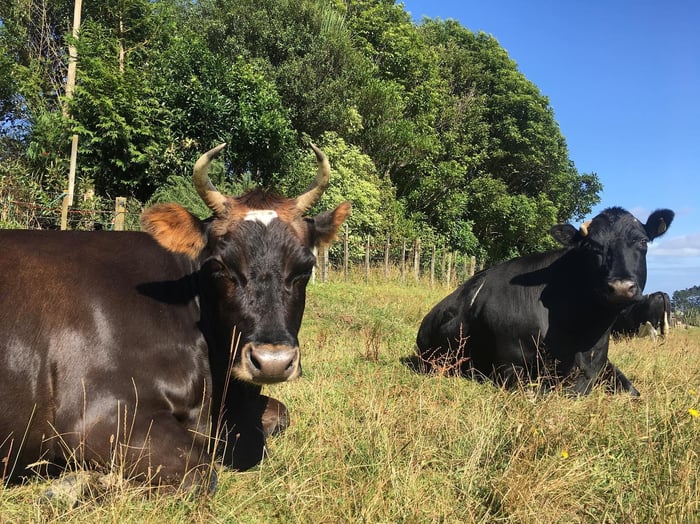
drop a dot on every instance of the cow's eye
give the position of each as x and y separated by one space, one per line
643 243
300 277
594 247
226 273
237 277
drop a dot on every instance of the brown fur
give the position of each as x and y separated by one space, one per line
174 228
340 214
258 199
177 230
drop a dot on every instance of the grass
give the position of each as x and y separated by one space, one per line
372 441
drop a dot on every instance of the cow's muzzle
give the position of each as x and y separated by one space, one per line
268 363
623 290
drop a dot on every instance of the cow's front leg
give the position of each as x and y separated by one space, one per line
248 420
163 452
242 423
616 381
582 380
275 416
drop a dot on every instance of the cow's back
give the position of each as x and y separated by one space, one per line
90 322
490 315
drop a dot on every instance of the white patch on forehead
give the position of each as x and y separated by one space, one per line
261 215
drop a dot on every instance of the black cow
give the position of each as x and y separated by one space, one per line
149 349
655 308
546 318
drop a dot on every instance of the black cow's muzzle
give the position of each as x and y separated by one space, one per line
268 363
623 290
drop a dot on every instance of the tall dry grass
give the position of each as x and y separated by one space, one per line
372 441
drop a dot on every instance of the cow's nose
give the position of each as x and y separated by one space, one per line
270 363
623 289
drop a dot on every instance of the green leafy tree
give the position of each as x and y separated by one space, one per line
686 304
34 136
304 47
215 100
517 178
121 123
432 120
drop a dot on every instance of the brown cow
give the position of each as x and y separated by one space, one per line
142 346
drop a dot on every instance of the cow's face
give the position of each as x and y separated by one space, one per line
255 259
614 246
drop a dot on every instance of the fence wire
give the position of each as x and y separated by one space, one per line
354 258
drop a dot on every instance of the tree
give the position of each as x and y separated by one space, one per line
214 101
434 118
34 136
115 110
518 179
686 304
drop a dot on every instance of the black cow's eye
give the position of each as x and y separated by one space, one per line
643 243
594 247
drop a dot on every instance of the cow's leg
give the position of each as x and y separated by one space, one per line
275 416
582 380
616 381
162 451
243 421
510 376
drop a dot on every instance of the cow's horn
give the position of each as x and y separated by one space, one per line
584 228
211 196
319 185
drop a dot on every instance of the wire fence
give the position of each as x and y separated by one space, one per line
408 261
355 258
31 215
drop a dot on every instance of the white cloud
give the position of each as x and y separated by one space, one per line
674 263
680 246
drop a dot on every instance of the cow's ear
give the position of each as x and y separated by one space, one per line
326 225
658 222
175 228
565 234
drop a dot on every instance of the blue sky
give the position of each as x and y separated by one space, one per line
623 79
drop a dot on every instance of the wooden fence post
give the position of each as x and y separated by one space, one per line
4 210
448 273
387 247
432 268
313 269
416 259
119 213
443 262
403 262
455 277
325 264
345 253
367 258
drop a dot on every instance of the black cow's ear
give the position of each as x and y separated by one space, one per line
326 225
565 234
658 223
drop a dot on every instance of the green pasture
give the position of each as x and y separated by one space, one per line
373 442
